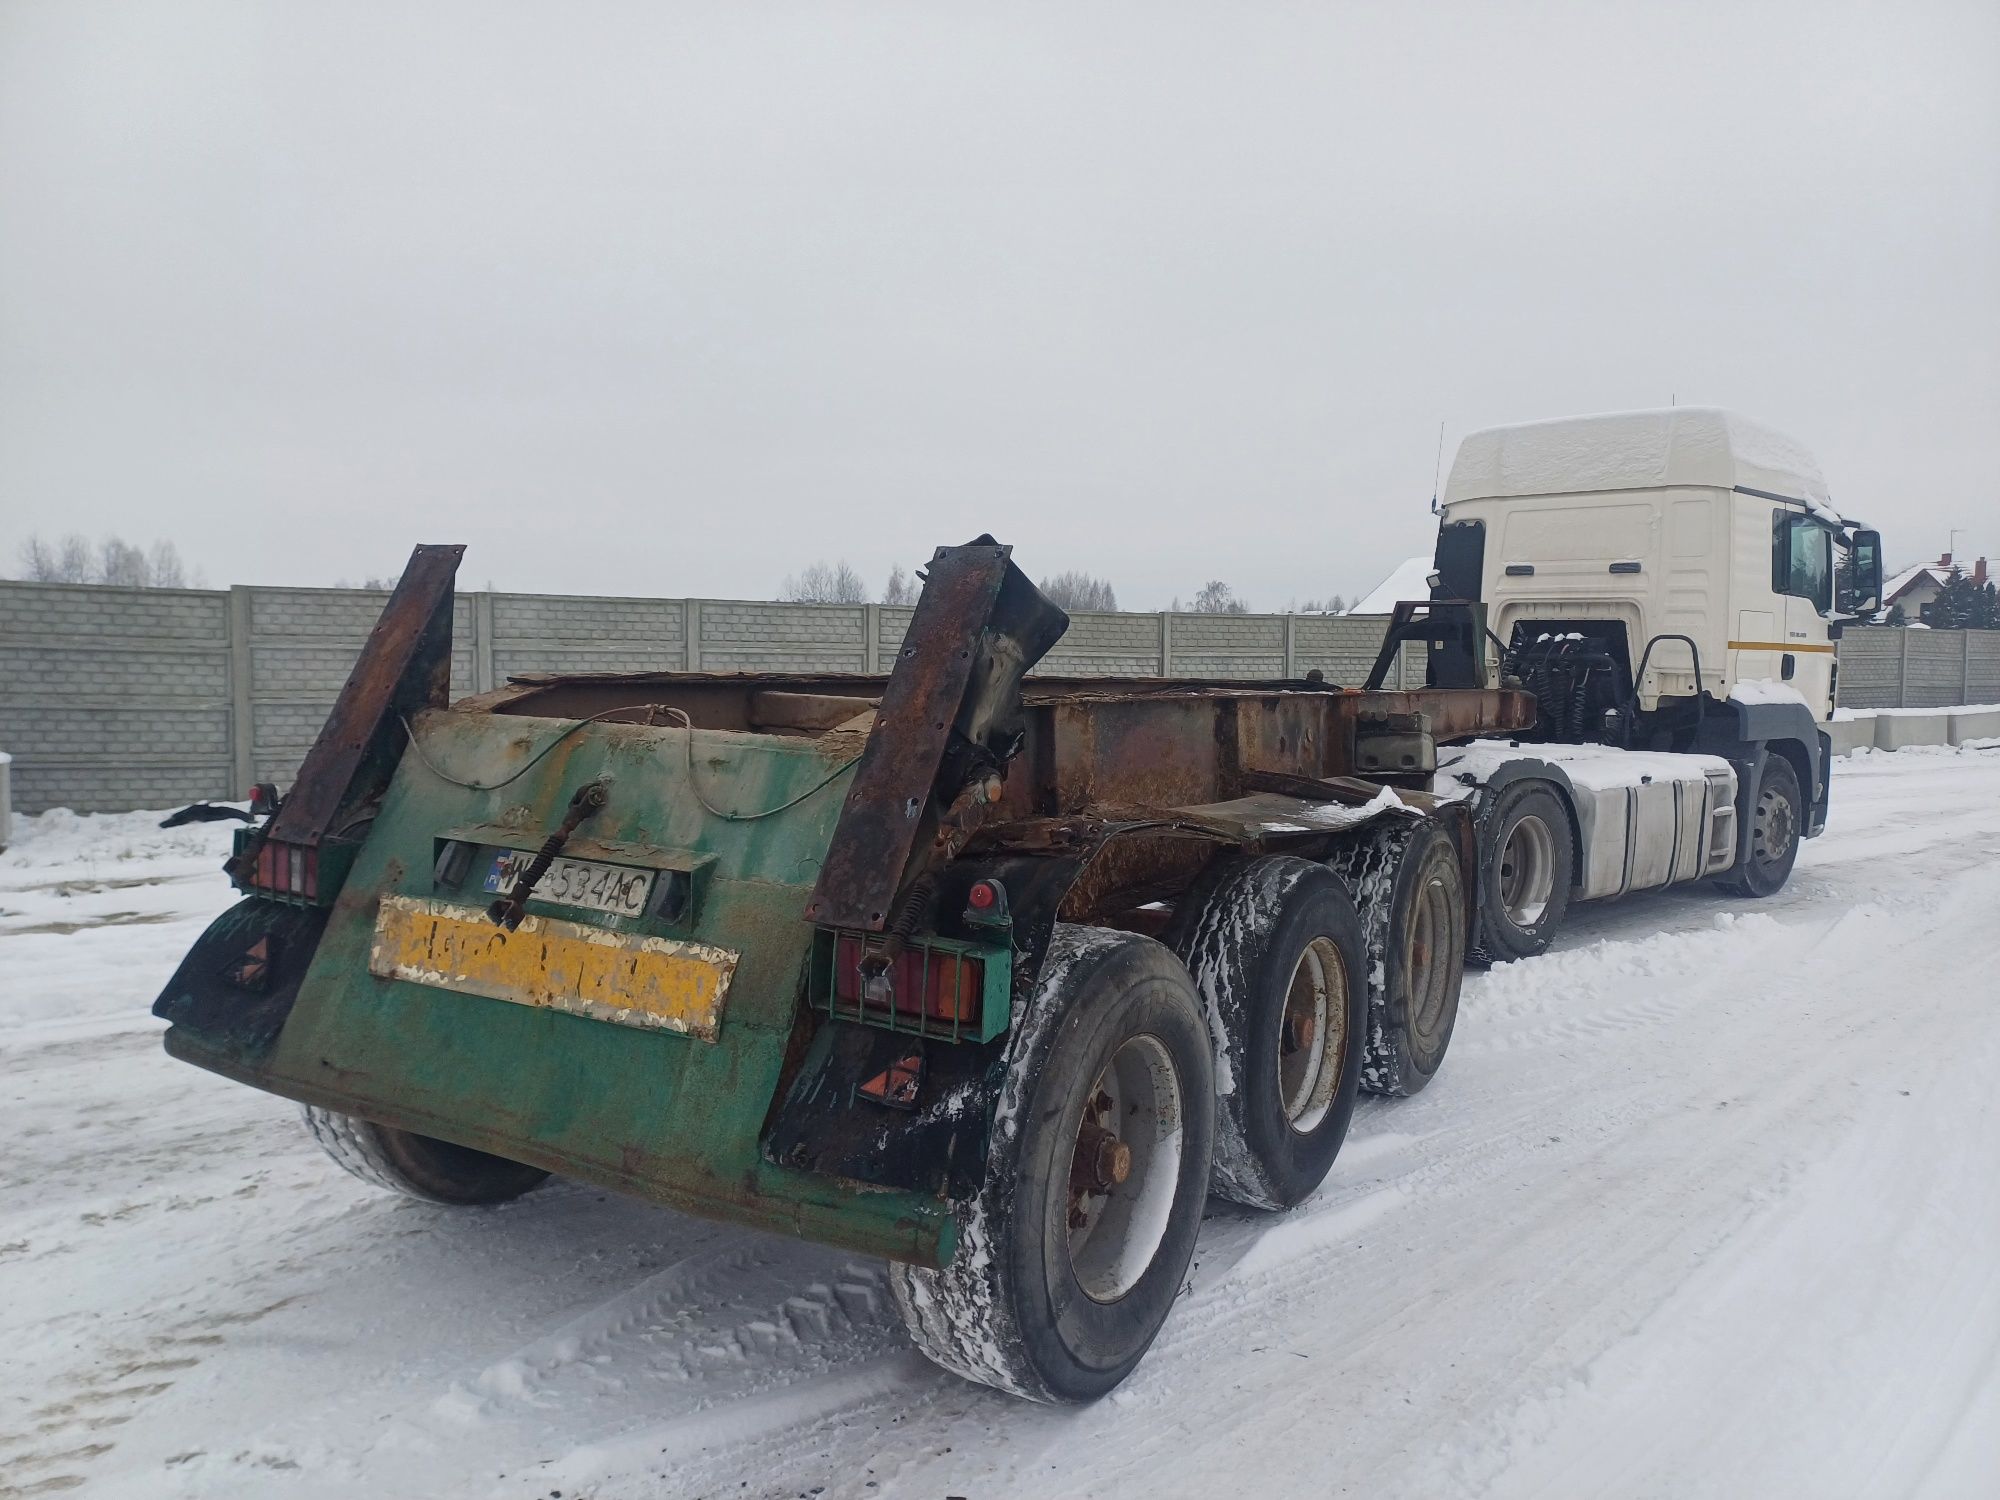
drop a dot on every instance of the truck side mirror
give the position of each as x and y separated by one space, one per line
1866 566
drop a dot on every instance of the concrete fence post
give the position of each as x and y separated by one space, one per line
1903 671
482 643
871 645
692 608
242 709
1965 666
1166 643
1291 646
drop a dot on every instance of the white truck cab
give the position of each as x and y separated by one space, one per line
1692 529
1669 586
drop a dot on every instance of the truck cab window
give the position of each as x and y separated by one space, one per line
1802 560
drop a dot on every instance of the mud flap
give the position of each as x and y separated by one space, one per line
234 990
934 1142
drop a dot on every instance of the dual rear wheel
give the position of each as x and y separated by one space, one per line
1144 1077
1141 1078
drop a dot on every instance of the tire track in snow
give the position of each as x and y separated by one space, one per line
672 1329
1741 1175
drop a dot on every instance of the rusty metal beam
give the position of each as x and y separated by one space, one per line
884 814
404 667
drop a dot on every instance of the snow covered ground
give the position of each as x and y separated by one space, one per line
1707 1202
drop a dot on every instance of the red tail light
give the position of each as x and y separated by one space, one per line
926 984
287 869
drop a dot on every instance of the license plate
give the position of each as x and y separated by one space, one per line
626 978
617 889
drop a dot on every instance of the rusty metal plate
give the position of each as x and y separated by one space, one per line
628 979
883 815
404 667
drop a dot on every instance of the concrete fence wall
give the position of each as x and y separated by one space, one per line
1893 667
114 698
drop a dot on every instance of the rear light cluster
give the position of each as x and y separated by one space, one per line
925 985
286 870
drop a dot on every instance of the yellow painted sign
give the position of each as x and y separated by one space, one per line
625 978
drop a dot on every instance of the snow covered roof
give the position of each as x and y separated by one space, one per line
1895 588
1411 580
1630 450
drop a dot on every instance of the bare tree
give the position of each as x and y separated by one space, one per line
1332 604
121 563
168 571
114 560
825 583
67 561
1075 590
900 589
1218 598
38 561
74 560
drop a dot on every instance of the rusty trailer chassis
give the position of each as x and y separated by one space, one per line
1173 770
985 815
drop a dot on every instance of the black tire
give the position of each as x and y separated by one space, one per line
418 1166
1406 884
1277 957
1528 855
1029 1304
1777 822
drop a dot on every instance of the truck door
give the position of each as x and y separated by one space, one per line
1802 574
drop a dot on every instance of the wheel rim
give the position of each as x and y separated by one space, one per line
1527 871
1125 1169
1776 826
1312 1035
1430 926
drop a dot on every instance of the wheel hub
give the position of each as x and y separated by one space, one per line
1774 818
1312 1035
1527 871
1123 1170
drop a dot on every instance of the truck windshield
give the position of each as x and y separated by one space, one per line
1802 560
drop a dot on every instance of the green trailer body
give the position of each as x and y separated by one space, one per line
649 1111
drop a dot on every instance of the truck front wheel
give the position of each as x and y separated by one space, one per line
1529 867
418 1166
1072 1251
1777 818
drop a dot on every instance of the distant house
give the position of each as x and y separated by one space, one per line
1915 588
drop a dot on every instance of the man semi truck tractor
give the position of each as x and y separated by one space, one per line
1669 586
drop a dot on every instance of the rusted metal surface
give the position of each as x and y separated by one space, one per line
884 814
405 667
1115 799
1353 791
942 736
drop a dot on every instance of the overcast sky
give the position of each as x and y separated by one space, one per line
677 299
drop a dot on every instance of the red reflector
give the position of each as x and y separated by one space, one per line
290 869
925 983
983 896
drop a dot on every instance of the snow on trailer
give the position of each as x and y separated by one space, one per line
994 978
